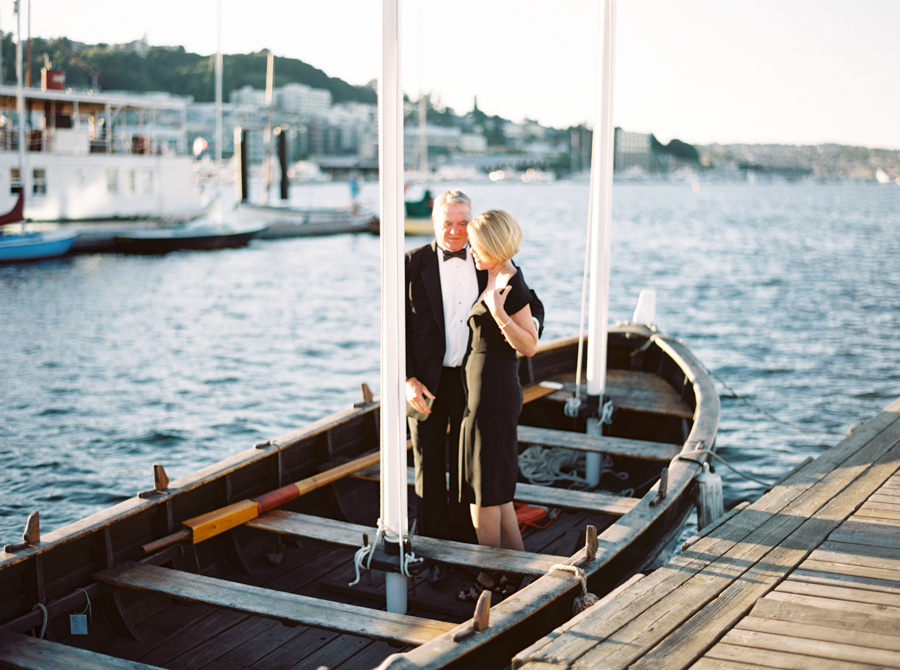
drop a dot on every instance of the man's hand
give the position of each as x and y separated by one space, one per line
416 392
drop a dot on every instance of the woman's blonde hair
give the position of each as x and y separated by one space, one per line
497 234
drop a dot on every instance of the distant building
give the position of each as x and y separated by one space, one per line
632 150
301 99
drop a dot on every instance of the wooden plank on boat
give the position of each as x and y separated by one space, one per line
600 502
278 605
31 653
614 446
636 391
446 551
536 392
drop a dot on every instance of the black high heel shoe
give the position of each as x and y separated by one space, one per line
473 593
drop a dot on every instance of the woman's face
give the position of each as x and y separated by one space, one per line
481 259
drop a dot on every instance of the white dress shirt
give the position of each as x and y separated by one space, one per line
459 290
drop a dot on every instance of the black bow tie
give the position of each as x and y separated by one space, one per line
455 254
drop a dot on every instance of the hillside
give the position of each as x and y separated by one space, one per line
171 69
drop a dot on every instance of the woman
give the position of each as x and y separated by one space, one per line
500 325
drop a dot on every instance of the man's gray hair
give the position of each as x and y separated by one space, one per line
451 197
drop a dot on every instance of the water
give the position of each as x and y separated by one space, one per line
790 293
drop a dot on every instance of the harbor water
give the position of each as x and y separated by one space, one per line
788 292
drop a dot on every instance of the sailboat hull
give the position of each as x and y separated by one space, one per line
35 246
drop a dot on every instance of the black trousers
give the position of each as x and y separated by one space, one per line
436 453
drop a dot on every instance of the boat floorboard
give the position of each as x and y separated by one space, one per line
806 576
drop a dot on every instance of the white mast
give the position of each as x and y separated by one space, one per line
267 168
20 103
393 409
601 219
218 140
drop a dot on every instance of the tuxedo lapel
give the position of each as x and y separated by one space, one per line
431 277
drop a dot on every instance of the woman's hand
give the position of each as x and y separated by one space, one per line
495 299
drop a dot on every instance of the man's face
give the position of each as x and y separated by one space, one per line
451 225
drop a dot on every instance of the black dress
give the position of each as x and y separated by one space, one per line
489 447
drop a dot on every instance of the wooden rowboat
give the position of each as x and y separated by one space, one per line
235 567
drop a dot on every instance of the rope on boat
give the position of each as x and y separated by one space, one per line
87 609
586 599
43 609
540 465
686 456
363 556
767 414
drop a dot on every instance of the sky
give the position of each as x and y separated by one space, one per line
702 71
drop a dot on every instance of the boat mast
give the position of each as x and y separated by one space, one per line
393 328
218 147
601 220
20 103
267 168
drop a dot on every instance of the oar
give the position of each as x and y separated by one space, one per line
218 521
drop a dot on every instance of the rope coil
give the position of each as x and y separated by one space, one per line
586 599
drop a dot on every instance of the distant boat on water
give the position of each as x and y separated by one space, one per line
192 237
31 245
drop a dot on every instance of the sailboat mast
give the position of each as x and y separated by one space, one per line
601 210
601 223
20 100
218 68
393 327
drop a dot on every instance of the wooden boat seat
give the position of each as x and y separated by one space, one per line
614 446
31 653
632 390
456 553
278 605
533 494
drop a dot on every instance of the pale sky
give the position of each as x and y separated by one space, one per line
760 71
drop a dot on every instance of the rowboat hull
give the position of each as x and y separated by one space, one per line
665 400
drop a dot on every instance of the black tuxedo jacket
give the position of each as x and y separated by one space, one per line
426 341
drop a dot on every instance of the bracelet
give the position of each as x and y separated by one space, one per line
505 324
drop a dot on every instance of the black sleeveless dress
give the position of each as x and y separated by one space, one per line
489 448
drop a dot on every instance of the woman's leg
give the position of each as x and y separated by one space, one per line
487 527
509 528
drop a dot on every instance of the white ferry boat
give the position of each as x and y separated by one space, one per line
98 155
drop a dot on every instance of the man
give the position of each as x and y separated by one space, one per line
442 284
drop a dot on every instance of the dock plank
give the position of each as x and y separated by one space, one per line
30 653
781 660
827 613
825 649
888 641
456 553
275 604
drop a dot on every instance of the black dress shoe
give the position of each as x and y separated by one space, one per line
437 574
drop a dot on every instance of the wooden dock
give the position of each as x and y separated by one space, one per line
808 576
